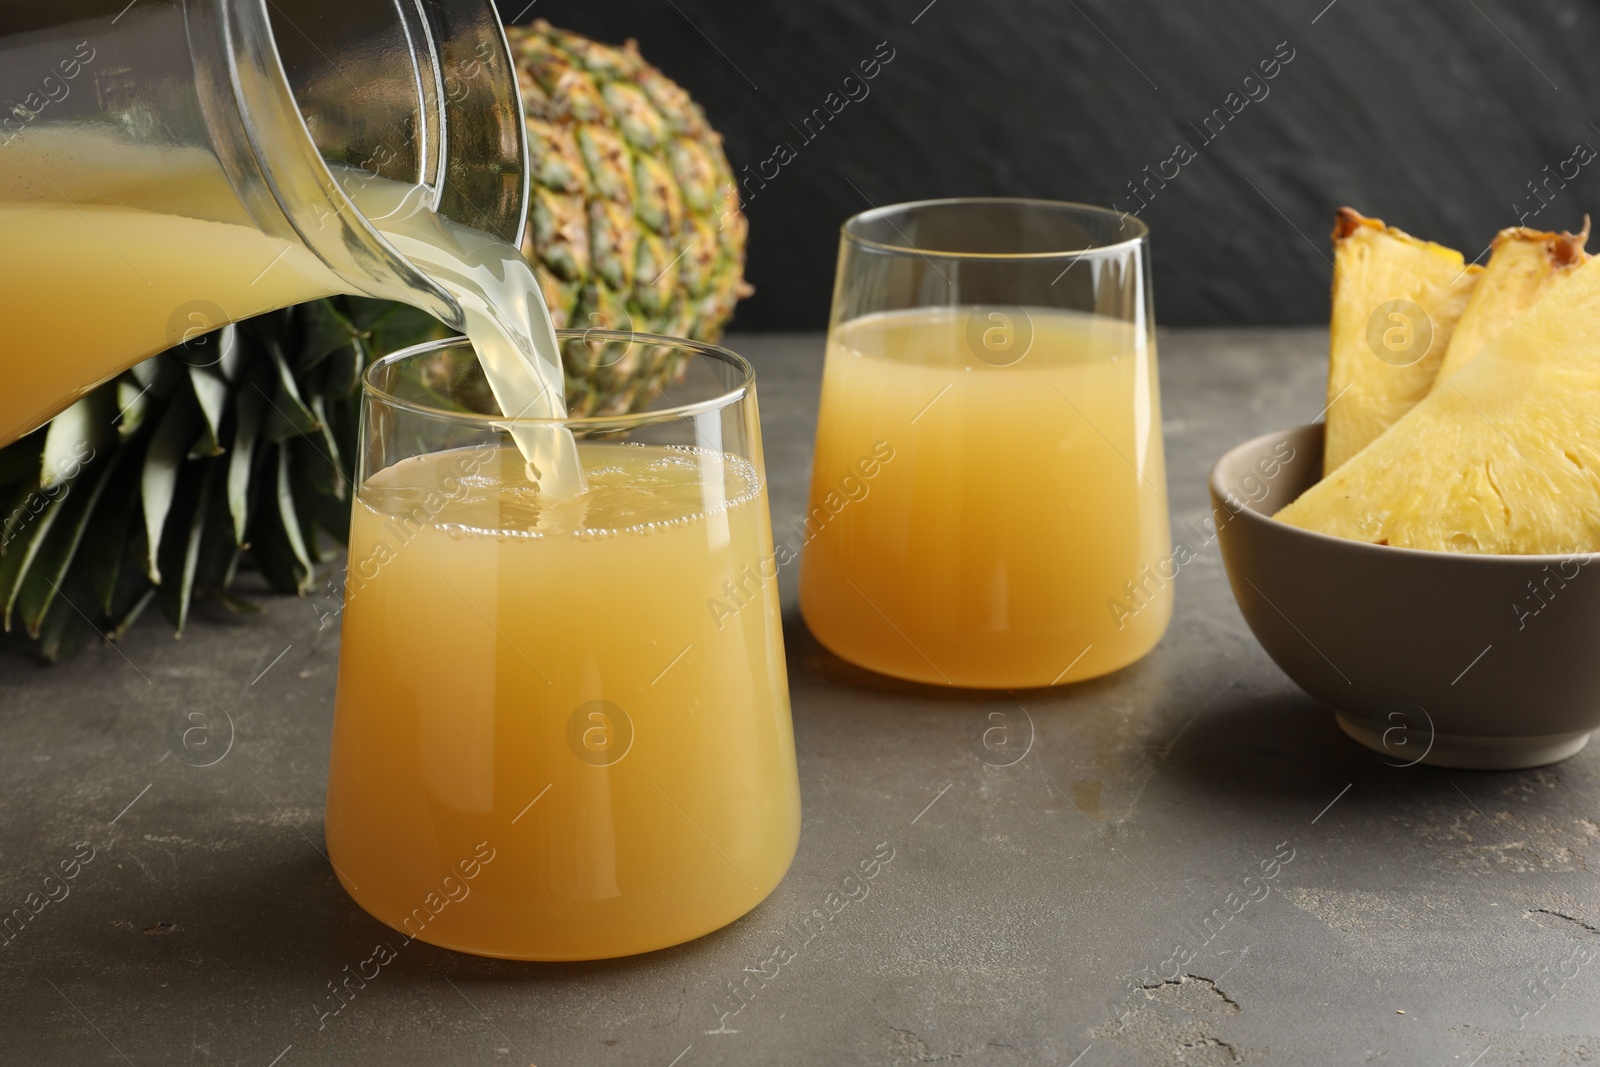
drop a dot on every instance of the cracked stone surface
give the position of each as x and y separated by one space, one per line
1117 895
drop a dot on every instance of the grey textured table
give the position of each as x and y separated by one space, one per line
1072 907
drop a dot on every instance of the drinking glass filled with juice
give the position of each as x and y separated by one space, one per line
549 743
988 497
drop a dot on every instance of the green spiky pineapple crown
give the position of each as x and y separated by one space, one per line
239 447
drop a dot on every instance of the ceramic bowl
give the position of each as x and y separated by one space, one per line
1451 659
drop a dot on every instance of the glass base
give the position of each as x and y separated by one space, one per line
507 944
913 666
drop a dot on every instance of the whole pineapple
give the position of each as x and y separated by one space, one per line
239 446
634 220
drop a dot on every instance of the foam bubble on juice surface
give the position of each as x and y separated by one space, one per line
629 490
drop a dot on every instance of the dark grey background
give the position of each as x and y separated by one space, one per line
1432 114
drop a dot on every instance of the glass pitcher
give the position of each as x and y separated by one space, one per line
168 166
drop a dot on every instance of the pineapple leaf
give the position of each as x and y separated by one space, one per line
309 506
41 582
395 326
332 514
131 616
15 504
290 518
146 372
323 331
160 375
19 461
230 360
132 584
132 405
71 439
219 550
25 546
317 457
344 422
65 627
211 391
342 371
181 551
109 536
246 431
289 416
277 545
158 481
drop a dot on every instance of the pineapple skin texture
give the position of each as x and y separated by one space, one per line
633 211
1374 264
1523 266
1504 458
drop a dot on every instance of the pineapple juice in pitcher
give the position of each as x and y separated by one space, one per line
165 168
103 275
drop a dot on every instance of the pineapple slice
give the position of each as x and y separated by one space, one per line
1523 266
1502 458
1392 295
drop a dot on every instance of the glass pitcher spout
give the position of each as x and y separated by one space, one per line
170 166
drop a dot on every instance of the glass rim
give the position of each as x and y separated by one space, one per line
370 390
1066 207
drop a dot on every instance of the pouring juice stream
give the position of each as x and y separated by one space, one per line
506 318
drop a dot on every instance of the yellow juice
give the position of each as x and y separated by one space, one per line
548 684
1015 534
166 256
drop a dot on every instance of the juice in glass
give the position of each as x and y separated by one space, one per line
1010 539
542 680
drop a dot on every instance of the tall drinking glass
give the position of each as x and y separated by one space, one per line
988 498
550 742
